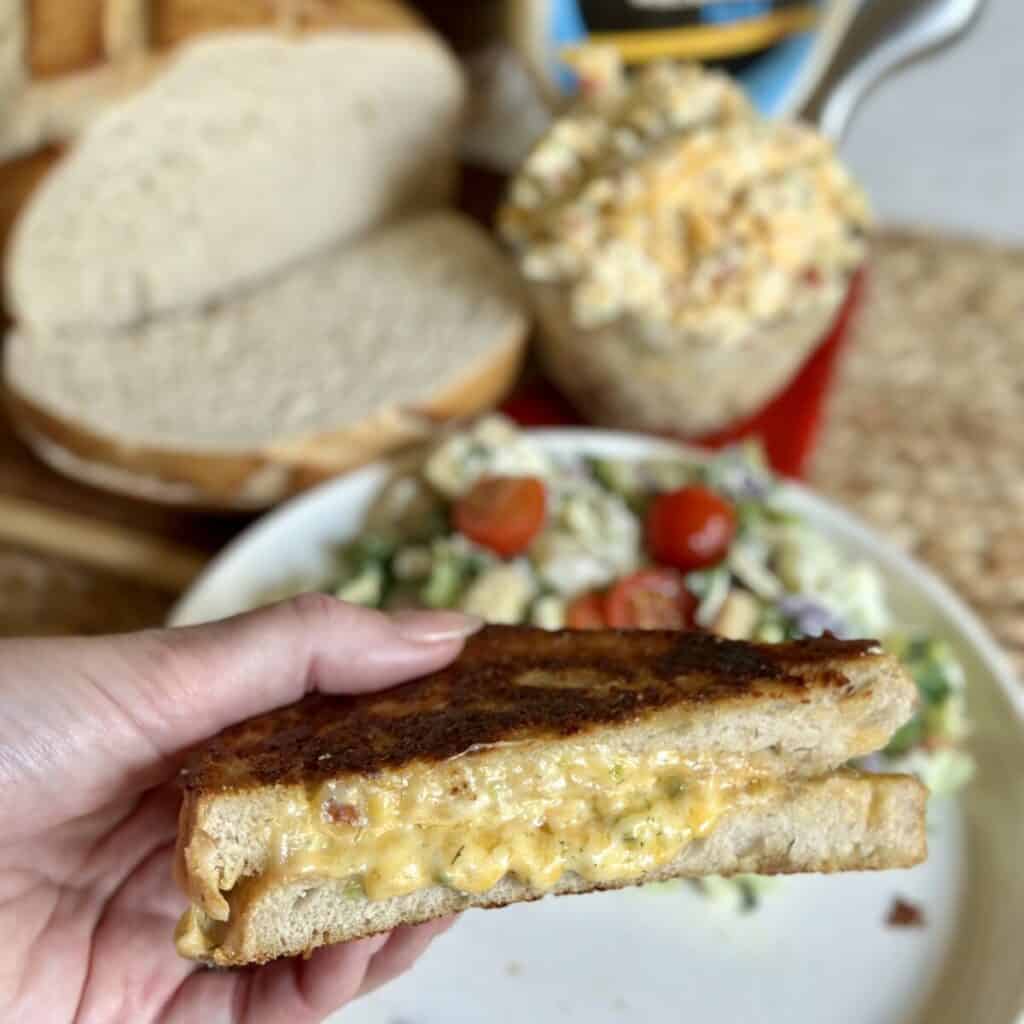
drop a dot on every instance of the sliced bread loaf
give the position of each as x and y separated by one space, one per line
250 152
62 65
341 358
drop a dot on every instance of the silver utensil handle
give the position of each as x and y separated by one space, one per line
927 26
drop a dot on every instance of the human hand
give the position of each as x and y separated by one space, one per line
92 733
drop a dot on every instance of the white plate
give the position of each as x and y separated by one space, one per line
818 950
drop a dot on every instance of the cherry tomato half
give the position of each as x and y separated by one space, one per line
503 513
586 612
650 599
690 528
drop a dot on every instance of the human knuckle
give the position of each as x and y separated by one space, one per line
314 606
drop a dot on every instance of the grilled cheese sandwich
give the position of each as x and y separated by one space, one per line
538 762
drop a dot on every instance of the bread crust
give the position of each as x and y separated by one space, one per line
237 481
522 684
92 53
779 719
519 694
18 180
174 21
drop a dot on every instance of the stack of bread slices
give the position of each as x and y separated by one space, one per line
242 277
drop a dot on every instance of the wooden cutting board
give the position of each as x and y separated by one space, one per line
77 560
923 438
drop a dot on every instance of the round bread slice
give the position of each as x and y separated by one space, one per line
342 358
63 67
249 152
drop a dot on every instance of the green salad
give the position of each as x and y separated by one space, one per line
492 523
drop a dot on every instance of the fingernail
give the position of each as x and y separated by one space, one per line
435 627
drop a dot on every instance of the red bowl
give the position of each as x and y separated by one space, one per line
788 427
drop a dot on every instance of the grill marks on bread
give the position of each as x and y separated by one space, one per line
513 684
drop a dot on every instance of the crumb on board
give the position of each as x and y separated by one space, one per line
513 968
904 914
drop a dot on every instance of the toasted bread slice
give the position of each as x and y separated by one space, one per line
577 731
805 706
843 822
413 325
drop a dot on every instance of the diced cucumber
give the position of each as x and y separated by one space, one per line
947 720
353 889
711 588
931 664
772 627
548 612
365 588
412 563
669 474
501 593
444 584
456 561
906 737
367 550
754 517
615 475
947 771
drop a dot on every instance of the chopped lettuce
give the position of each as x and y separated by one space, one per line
740 473
455 564
929 744
946 771
363 574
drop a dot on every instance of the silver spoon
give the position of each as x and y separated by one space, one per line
923 26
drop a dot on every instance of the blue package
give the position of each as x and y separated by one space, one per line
775 76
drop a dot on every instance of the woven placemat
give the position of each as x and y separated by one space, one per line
924 436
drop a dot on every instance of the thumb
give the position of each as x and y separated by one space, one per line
207 677
89 719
